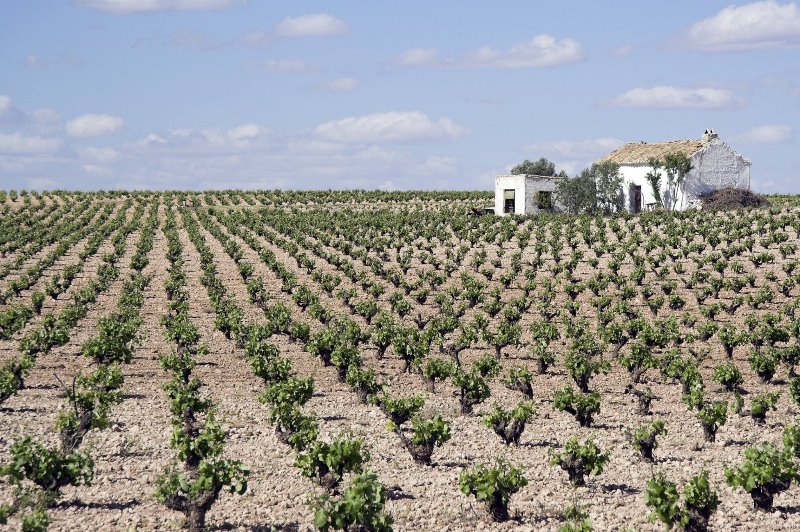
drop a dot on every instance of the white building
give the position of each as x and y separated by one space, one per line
525 194
715 165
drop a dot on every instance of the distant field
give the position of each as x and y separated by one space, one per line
163 347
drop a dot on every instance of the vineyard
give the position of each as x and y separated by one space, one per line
377 361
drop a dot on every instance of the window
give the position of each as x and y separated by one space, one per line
544 200
508 201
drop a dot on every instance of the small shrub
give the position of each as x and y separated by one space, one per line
644 439
360 507
580 459
765 472
519 379
700 502
472 389
509 425
426 435
729 376
493 486
583 367
487 367
400 410
761 404
763 364
328 462
577 520
438 369
582 406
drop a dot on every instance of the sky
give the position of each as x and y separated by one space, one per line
215 94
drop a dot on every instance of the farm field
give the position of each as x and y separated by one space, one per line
277 353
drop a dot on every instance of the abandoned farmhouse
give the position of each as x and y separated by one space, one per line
714 165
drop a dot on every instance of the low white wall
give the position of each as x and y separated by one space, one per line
507 182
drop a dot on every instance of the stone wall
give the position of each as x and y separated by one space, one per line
714 167
536 184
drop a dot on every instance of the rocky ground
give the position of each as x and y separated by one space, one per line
133 451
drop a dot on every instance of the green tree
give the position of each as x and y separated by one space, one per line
676 165
608 182
540 167
578 195
654 178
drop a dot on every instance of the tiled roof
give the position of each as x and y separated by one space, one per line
642 152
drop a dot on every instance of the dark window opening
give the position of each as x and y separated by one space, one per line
544 200
508 201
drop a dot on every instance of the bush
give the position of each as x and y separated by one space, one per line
493 486
712 414
582 406
638 361
360 507
519 379
509 425
426 435
487 367
580 459
49 469
400 410
577 520
437 369
733 198
761 404
582 367
328 462
700 502
472 389
765 472
194 494
364 382
729 376
763 364
644 439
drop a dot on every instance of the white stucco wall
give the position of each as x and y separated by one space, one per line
714 166
506 182
525 189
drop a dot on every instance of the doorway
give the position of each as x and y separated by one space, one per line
508 201
636 199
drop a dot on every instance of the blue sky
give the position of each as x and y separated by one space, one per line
99 94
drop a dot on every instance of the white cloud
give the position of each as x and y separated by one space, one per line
124 7
97 170
94 125
338 85
665 97
45 117
256 39
389 127
540 51
314 25
245 131
769 134
281 65
5 104
765 24
19 144
416 57
99 155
